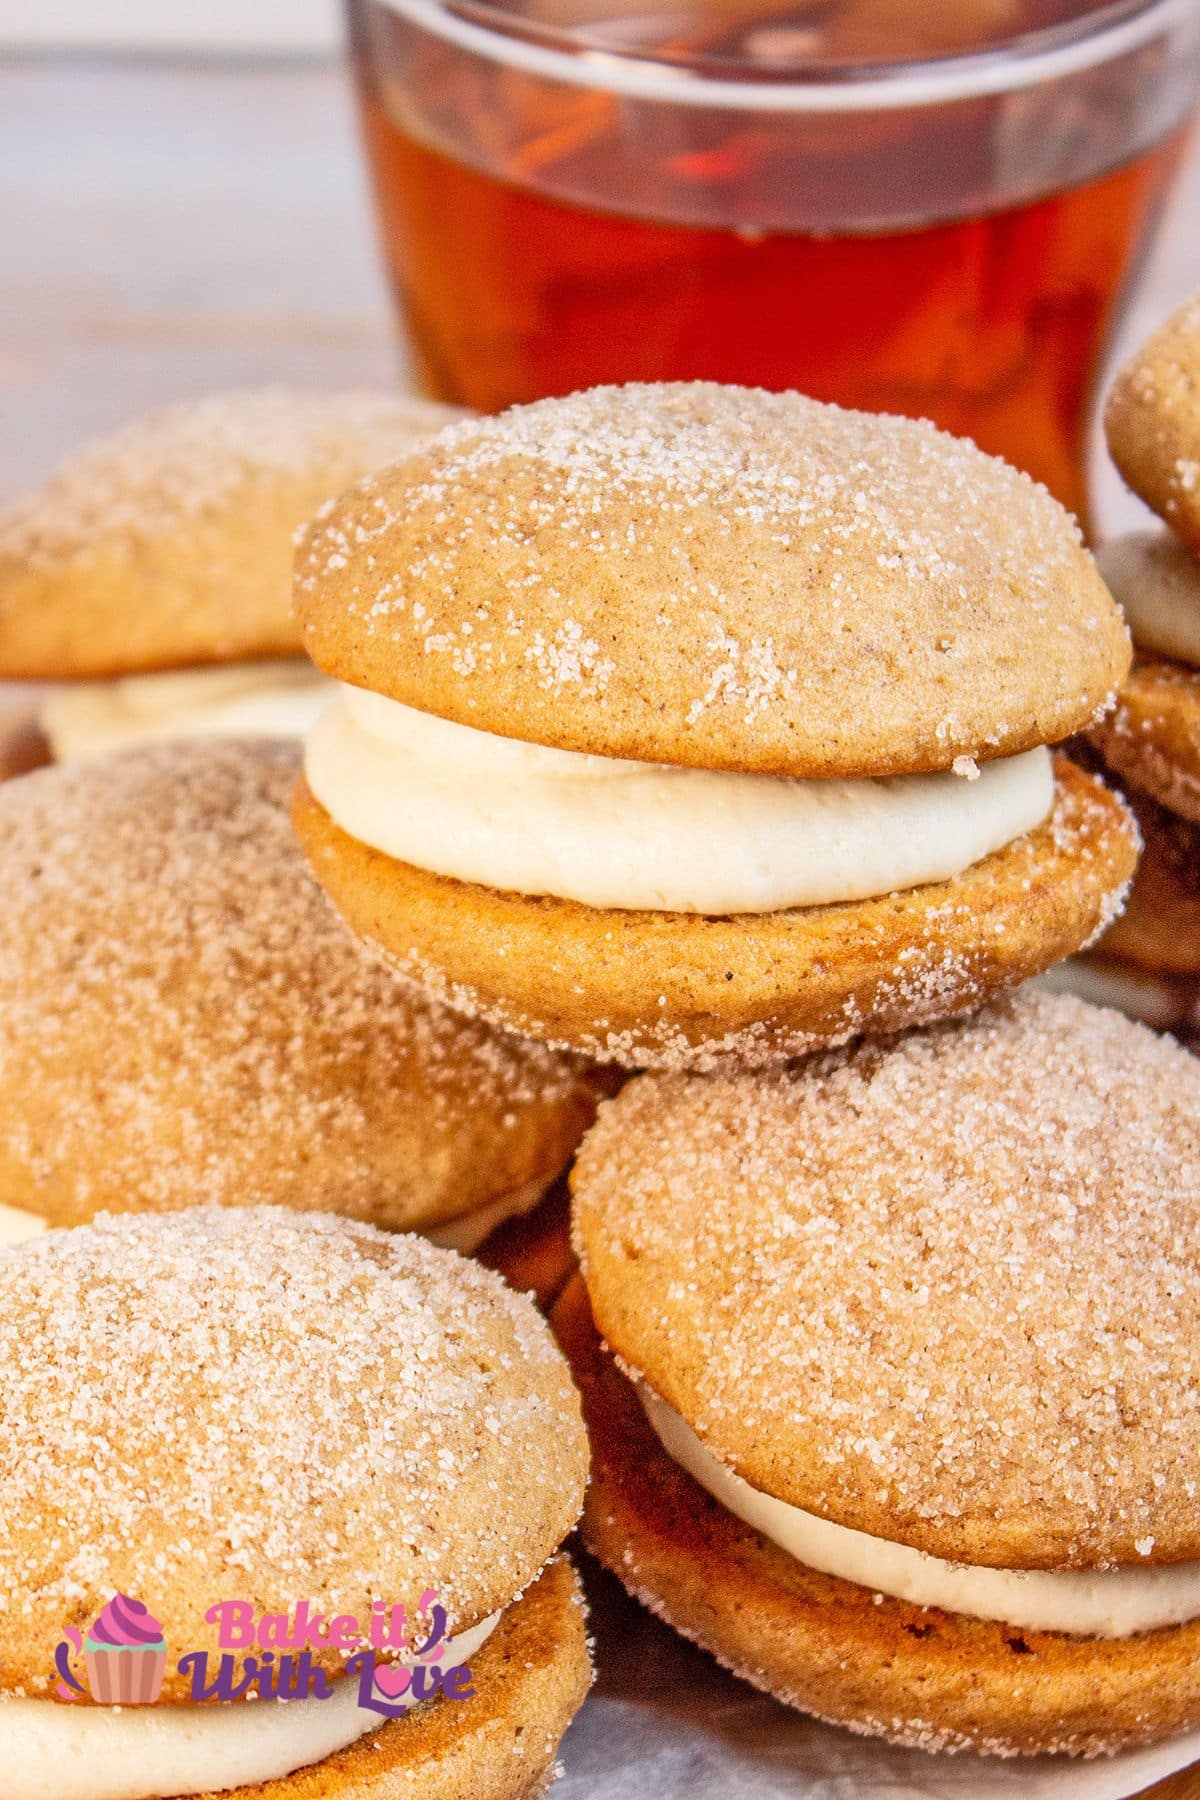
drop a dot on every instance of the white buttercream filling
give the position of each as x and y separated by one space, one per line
1108 1603
466 1233
1156 581
16 1225
52 1751
252 699
612 833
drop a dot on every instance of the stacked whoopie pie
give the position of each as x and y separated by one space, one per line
691 724
152 573
899 1414
1149 963
687 728
695 728
319 1419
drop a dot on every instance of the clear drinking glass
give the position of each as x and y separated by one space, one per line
932 207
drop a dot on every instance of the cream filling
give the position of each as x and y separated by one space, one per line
52 1751
466 1233
16 1225
1106 1603
648 836
1156 581
251 699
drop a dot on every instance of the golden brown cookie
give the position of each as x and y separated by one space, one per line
1152 421
664 989
170 543
184 1017
531 1678
1159 931
261 1402
1152 738
720 578
810 1266
23 745
917 1676
533 1253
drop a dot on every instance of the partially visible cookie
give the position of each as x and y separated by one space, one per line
1164 1002
169 544
304 1417
1152 421
533 1252
23 745
1159 931
1152 737
183 1016
920 1677
878 1427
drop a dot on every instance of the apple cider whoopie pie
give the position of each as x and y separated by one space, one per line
1152 423
1149 963
184 1016
152 571
305 1417
685 723
897 1411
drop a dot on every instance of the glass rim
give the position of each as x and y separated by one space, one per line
1050 54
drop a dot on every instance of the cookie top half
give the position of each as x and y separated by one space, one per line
944 1289
184 1017
216 1404
1152 422
169 543
718 577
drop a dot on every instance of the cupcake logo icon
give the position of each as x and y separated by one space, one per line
124 1656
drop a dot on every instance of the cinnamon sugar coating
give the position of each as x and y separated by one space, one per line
255 1402
169 542
717 577
184 1017
944 1289
1152 422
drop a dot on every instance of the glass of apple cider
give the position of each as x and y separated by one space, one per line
934 207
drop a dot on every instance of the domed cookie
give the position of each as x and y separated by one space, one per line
1159 931
1152 422
684 722
168 547
880 1431
303 1410
183 1016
